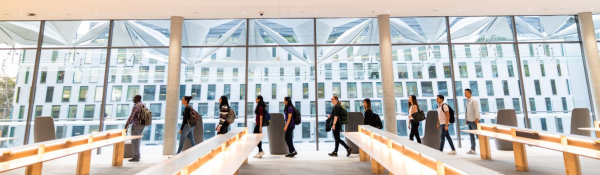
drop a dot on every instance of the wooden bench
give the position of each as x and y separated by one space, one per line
401 156
572 146
32 156
220 155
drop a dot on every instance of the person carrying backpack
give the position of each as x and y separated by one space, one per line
187 128
226 116
290 124
260 112
414 124
136 128
371 118
444 119
337 113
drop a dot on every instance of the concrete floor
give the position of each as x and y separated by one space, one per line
309 161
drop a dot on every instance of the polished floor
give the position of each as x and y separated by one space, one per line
541 162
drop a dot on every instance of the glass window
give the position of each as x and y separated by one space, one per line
66 95
321 90
75 34
379 90
516 104
89 111
402 71
358 71
156 109
505 87
142 33
132 91
511 72
500 103
427 89
494 69
553 85
72 111
55 111
412 89
83 90
351 86
490 87
442 88
211 92
417 71
485 105
474 88
49 94
77 131
462 66
116 93
526 68
468 29
538 90
546 28
367 89
149 93
398 91
478 70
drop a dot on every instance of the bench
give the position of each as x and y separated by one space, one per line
217 155
572 146
401 156
32 156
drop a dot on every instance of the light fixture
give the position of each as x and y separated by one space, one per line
592 8
530 9
316 11
95 13
460 10
388 11
243 12
170 13
21 14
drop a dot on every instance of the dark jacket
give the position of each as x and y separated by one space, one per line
187 113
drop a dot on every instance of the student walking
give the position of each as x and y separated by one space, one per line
186 130
472 117
337 126
371 118
290 124
414 125
443 122
260 113
224 116
136 128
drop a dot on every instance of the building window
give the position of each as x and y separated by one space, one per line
126 77
474 88
462 67
485 105
17 94
196 90
417 71
203 109
143 74
289 90
468 51
43 76
258 90
122 110
49 94
459 90
313 107
499 50
38 110
305 90
442 88
216 109
116 93
77 131
553 85
544 127
358 71
500 103
306 130
83 90
321 90
98 93
132 91
72 111
557 68
373 70
532 105
77 76
367 89
89 111
149 93
432 71
559 125
526 68
55 111
412 89
156 109
60 76
548 105
182 89
478 70
484 50
242 91
402 71
494 69
162 95
490 88
542 68
343 71
398 91
66 95
226 91
538 90
511 73
21 112
407 54
505 86
337 89
204 74
516 104
422 53
565 106
274 91
402 131
328 71
447 72
211 92
427 88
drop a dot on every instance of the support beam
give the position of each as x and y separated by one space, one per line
376 168
592 60
387 72
572 165
173 74
363 156
520 156
118 154
83 162
484 147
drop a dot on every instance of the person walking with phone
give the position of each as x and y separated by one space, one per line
443 122
414 125
136 128
186 130
472 117
337 126
290 124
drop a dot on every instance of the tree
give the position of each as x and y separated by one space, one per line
7 93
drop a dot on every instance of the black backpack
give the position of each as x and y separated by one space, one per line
297 117
377 121
450 111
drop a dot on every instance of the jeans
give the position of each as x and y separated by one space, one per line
256 131
188 131
289 135
337 137
445 135
135 144
414 131
472 126
224 128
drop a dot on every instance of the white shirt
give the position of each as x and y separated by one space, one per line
442 114
410 112
472 110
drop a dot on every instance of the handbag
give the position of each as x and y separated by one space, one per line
328 124
418 116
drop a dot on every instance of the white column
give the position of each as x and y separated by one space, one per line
590 52
173 74
387 73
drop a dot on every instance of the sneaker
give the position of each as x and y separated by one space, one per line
471 152
453 152
290 155
349 152
333 154
256 155
260 154
134 160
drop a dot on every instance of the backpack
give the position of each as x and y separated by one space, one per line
266 118
450 111
297 117
145 116
377 121
231 116
344 115
194 117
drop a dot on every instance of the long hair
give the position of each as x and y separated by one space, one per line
224 102
261 103
289 100
336 99
368 101
414 101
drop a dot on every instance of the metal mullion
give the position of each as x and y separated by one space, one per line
105 83
36 66
316 84
138 47
546 42
246 74
453 82
70 48
585 68
521 81
418 44
22 48
213 46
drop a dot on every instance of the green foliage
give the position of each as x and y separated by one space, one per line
7 93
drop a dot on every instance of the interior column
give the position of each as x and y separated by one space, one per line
387 73
173 74
590 52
